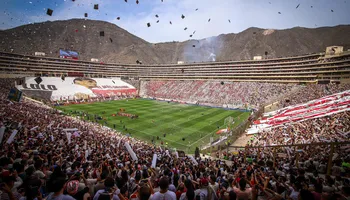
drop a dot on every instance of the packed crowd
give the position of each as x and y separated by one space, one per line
239 94
57 157
313 91
334 128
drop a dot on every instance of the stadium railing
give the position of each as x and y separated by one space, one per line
335 68
232 135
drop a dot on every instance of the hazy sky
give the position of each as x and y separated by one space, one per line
134 17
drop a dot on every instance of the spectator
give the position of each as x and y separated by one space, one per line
110 190
189 194
8 180
164 193
57 190
32 189
243 192
205 191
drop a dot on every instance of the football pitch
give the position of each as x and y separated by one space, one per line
185 126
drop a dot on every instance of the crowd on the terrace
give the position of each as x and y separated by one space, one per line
334 128
43 161
238 94
331 128
313 91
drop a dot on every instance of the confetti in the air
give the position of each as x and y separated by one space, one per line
49 12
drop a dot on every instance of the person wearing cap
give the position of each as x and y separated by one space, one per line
164 193
8 182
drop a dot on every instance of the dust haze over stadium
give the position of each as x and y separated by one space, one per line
166 99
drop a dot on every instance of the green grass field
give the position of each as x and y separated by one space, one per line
194 123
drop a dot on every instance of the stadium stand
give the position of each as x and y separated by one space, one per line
233 94
325 106
45 154
53 147
302 69
313 91
75 88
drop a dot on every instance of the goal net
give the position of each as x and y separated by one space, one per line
229 121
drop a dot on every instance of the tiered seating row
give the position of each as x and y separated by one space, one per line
302 69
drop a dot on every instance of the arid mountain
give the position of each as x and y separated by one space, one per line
120 46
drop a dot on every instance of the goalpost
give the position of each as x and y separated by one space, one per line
228 122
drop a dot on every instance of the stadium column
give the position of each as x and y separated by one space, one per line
227 143
274 156
211 148
329 165
296 157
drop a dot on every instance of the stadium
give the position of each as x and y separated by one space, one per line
264 126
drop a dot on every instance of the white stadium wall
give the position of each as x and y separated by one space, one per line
54 88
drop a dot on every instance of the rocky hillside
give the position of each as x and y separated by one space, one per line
119 46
